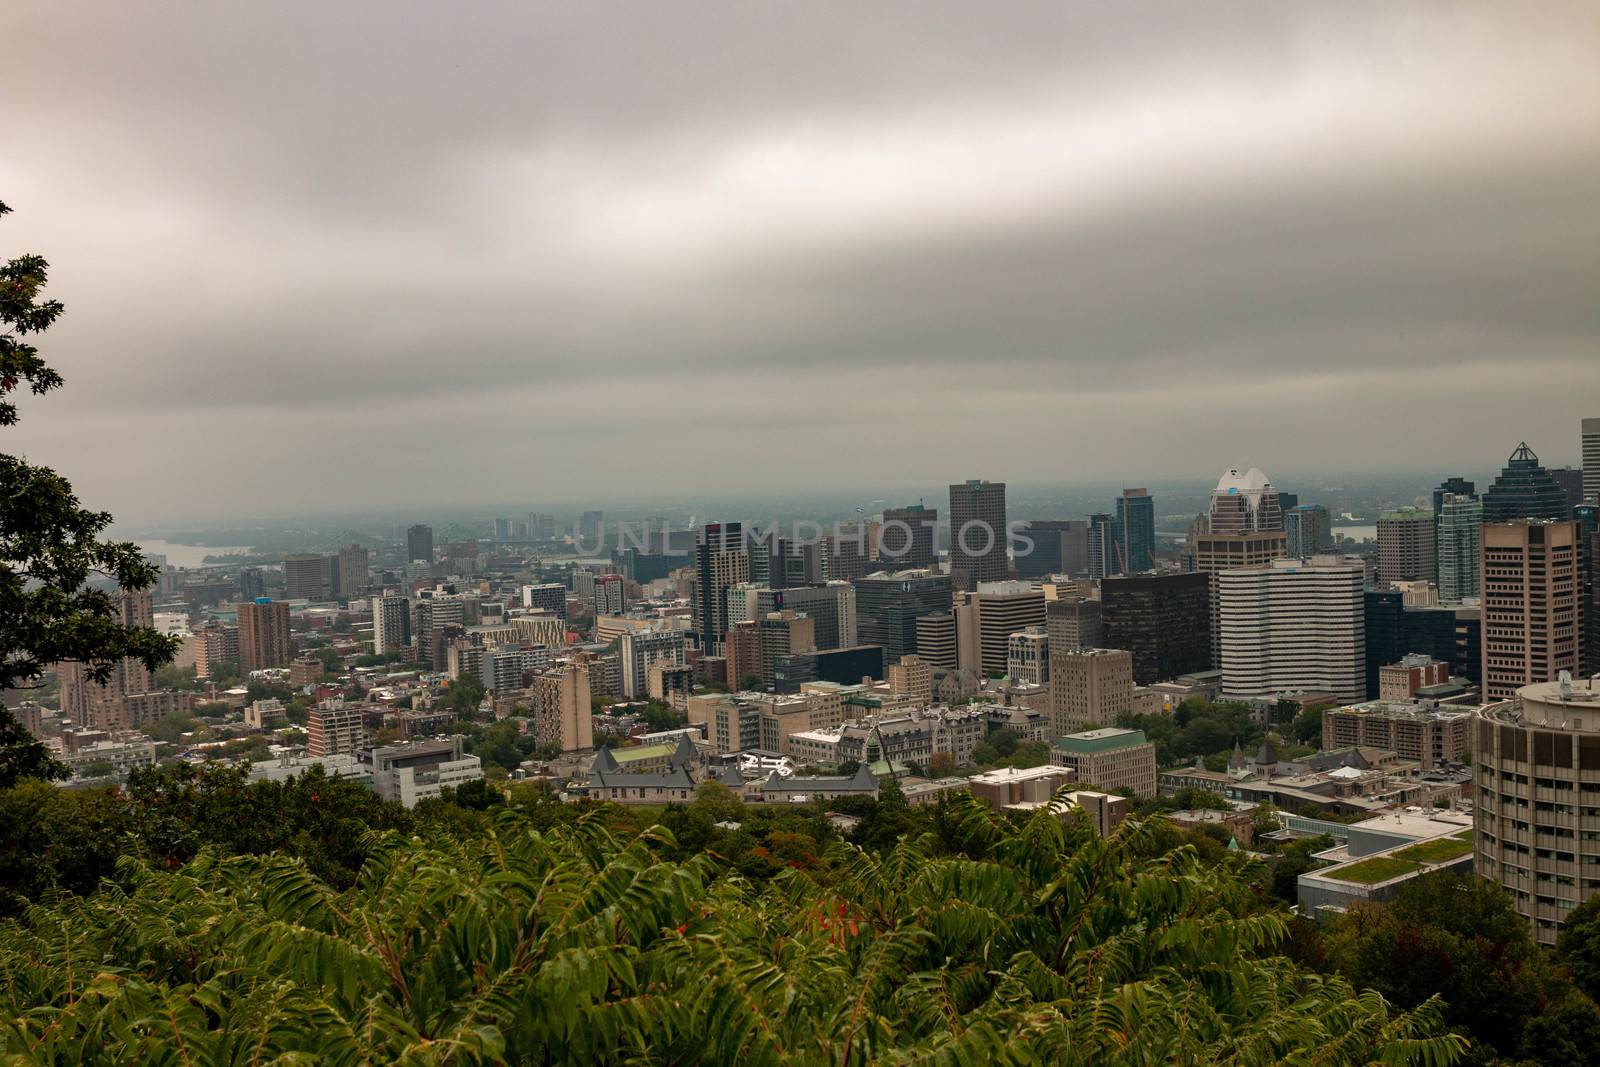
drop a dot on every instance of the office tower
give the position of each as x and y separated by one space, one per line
590 530
906 539
755 648
1458 519
1570 479
1395 630
1453 486
251 583
1136 527
502 529
391 624
354 571
1105 551
263 635
419 544
1531 589
1591 460
889 604
1059 546
1548 732
310 576
912 676
1293 625
1089 688
546 596
978 534
1587 518
541 527
562 716
1028 657
640 650
1163 620
1073 622
936 641
1307 531
1004 608
832 607
1524 490
334 728
610 595
1406 550
81 696
721 559
1245 503
849 548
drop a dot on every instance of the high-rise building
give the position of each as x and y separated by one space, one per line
610 595
81 696
562 716
1524 490
391 624
1293 625
1089 687
334 728
590 529
1245 503
1458 520
721 559
889 604
642 649
1105 549
502 529
936 641
419 544
546 596
1307 531
309 576
850 549
1028 657
263 635
1587 518
1570 479
1453 486
353 571
1073 622
831 607
1004 608
1406 549
251 583
978 534
906 539
1548 733
1163 620
1591 460
1395 630
912 676
1136 529
1531 590
1053 546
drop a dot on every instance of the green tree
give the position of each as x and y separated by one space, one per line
658 717
50 546
1578 945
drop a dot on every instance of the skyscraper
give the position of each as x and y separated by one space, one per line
1406 549
353 571
1453 485
251 583
1105 553
263 635
1294 625
1005 608
1591 460
721 559
308 576
1307 531
1531 590
419 544
907 537
1524 490
1136 528
978 534
391 624
1245 503
1164 620
1089 688
1458 519
889 604
80 695
1059 546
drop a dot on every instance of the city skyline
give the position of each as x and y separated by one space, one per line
1220 234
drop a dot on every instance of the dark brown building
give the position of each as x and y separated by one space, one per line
1164 620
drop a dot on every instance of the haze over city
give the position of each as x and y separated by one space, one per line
319 257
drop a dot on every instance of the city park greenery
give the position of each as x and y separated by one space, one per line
192 916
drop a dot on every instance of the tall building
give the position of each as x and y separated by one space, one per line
590 528
1531 590
1395 630
850 549
562 716
1163 620
1453 486
354 571
610 595
906 539
1245 503
309 576
1059 546
1591 460
546 596
642 649
1028 657
391 624
1587 518
1105 549
334 728
263 635
1406 549
912 676
1307 531
1570 479
1524 490
936 641
1089 687
889 604
978 534
81 696
251 583
1458 520
1546 734
1074 622
721 559
1136 528
1004 608
832 607
1293 625
419 544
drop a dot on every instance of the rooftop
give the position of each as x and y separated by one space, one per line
1105 739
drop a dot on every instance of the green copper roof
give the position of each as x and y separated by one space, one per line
1107 739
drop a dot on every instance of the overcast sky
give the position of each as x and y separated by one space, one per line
357 255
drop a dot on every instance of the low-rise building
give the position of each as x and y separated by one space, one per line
1431 735
408 773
